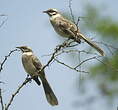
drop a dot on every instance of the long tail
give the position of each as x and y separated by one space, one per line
51 98
92 44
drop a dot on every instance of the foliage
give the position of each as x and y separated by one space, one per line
105 73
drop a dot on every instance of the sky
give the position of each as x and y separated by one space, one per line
27 25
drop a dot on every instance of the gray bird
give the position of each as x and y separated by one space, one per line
66 28
33 66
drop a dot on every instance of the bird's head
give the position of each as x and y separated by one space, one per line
25 49
51 12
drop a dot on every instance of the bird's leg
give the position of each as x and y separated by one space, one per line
29 78
77 38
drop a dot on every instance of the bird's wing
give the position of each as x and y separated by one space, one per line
36 62
67 27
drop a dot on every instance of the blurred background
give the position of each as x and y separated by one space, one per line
25 24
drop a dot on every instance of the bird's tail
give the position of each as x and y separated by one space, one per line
35 78
51 98
91 44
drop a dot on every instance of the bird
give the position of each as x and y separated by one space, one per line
32 66
67 28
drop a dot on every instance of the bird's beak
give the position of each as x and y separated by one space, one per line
45 11
18 47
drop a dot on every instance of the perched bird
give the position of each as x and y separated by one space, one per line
67 28
32 66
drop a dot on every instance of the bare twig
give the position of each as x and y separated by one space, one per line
71 11
56 50
69 66
91 58
2 82
79 58
3 15
75 51
107 45
3 20
77 22
72 16
15 93
5 59
1 100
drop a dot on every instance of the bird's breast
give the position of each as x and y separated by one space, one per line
28 65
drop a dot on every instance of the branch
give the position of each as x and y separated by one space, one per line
17 91
72 16
95 57
75 51
5 59
3 21
56 50
1 100
69 66
107 45
71 11
65 44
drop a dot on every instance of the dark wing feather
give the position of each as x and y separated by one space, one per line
36 62
38 66
68 28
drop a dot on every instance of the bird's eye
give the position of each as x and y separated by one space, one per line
51 11
54 13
